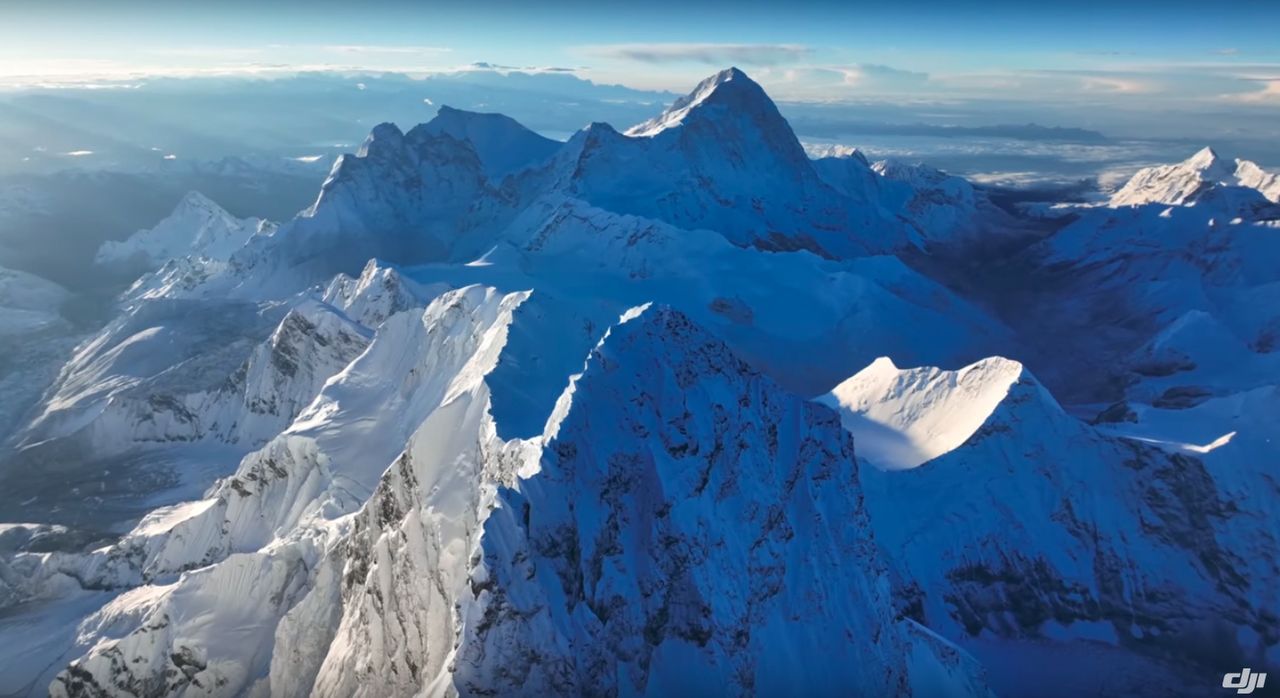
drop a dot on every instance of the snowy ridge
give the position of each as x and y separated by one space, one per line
840 314
197 227
378 293
903 418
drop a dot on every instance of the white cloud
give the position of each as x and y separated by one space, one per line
706 53
1268 93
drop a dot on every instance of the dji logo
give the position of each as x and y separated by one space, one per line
1245 681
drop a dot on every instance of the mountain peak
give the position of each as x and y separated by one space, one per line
384 137
195 201
1178 184
1204 158
503 144
730 88
1211 166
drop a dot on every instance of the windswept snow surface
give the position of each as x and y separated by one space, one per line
904 418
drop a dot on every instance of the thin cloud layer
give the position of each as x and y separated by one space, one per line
709 54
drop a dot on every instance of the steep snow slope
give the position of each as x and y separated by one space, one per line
35 338
1184 182
197 227
1036 525
850 173
159 351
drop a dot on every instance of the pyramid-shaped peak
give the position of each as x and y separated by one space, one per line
729 74
194 199
1205 157
1210 165
730 88
197 205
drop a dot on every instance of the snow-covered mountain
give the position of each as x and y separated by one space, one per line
499 415
721 159
197 227
1186 181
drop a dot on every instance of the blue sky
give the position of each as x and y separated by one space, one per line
1171 54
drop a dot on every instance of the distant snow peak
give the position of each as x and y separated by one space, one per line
1185 182
196 227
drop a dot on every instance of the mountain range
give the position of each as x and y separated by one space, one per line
502 415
